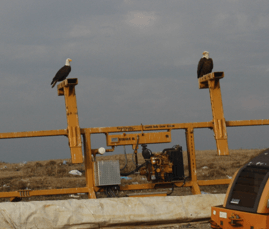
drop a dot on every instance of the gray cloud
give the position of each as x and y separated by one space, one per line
136 63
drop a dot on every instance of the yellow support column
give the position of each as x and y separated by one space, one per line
211 81
89 165
67 88
192 160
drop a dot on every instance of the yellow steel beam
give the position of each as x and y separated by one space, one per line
146 195
97 130
59 191
177 184
259 122
139 138
151 186
66 83
28 134
89 165
67 87
213 182
28 193
173 126
192 160
203 81
9 194
211 81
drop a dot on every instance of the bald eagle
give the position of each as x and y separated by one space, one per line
205 65
62 73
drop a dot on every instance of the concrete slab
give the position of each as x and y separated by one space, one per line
107 212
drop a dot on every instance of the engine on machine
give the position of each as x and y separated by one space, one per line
164 166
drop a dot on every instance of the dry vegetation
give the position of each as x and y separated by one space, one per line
54 174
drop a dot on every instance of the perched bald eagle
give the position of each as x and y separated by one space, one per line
205 65
62 73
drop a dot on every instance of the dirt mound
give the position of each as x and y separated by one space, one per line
54 174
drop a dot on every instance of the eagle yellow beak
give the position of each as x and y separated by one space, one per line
69 60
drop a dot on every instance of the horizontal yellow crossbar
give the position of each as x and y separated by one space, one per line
98 130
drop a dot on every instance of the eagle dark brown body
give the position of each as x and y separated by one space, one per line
205 66
62 73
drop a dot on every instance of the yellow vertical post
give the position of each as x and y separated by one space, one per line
211 81
89 165
192 160
67 88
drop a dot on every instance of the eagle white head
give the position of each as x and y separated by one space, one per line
67 62
206 54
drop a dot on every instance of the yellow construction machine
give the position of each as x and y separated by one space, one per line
246 204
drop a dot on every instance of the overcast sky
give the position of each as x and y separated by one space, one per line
136 63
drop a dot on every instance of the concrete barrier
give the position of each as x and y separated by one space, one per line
109 212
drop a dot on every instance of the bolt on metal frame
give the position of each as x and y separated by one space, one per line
146 135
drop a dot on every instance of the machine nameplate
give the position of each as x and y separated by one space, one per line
140 138
223 215
114 139
166 126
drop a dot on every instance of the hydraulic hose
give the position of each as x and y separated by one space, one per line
126 160
135 170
